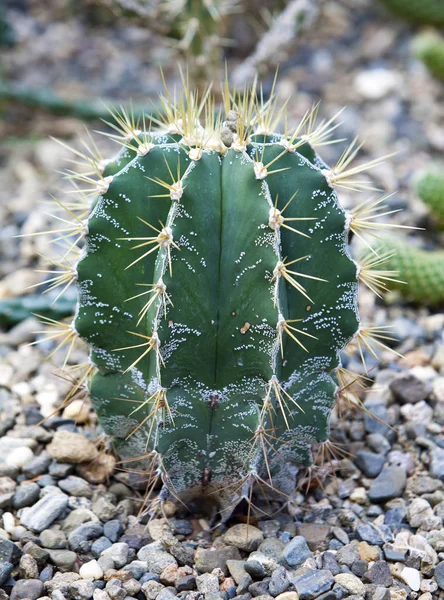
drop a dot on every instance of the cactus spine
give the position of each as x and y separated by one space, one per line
216 291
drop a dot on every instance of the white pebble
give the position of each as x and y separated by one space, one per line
8 522
19 457
412 578
91 570
374 84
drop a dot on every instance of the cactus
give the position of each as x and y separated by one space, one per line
420 273
428 46
216 292
430 188
427 12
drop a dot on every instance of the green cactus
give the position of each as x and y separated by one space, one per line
430 188
428 46
428 12
216 291
15 310
420 274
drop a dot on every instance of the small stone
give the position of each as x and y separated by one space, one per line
367 552
99 470
409 389
9 552
389 484
207 583
412 578
75 486
25 495
374 536
28 568
288 596
103 508
404 460
77 410
296 551
113 530
119 553
418 511
79 538
55 539
78 517
37 466
439 574
91 570
39 554
207 560
29 589
351 583
64 559
379 574
279 582
188 582
152 589
157 560
313 584
44 512
369 463
236 569
100 545
70 447
19 457
437 463
245 537
374 84
272 547
316 535
5 571
81 590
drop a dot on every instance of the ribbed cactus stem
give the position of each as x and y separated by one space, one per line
216 292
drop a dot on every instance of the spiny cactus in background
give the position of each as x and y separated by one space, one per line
216 292
430 188
428 46
427 12
420 274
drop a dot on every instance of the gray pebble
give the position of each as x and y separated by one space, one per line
296 551
44 512
389 484
119 553
81 590
5 571
64 559
55 539
369 463
439 574
99 545
279 582
60 470
31 589
37 466
379 574
25 495
113 530
313 583
80 539
409 389
9 552
75 486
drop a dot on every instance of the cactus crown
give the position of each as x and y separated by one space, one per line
216 291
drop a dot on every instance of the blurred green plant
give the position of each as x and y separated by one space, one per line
428 46
426 12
